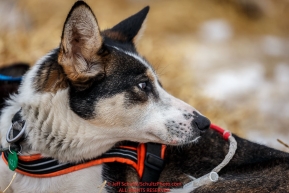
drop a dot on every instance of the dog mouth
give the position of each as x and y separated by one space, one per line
181 132
192 139
177 138
195 140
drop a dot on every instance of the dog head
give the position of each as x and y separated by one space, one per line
96 90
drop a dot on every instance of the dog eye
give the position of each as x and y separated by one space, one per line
142 85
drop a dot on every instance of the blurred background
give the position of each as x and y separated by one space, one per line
227 58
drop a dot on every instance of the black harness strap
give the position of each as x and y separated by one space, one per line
154 165
50 165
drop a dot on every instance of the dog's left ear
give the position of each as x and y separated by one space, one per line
130 29
81 43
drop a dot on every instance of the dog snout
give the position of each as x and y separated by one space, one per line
201 122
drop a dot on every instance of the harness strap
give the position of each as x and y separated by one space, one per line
37 166
154 163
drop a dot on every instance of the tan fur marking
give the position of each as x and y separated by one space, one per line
110 112
56 81
50 78
114 35
150 75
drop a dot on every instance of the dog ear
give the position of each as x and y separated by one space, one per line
81 42
129 29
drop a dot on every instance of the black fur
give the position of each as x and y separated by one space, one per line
131 26
254 167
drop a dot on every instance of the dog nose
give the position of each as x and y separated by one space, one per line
202 123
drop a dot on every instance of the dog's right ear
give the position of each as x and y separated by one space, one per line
130 29
80 43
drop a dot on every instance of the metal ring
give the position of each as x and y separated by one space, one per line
214 176
19 152
17 136
10 149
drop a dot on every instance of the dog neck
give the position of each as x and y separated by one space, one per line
58 132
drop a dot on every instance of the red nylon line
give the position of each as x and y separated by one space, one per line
217 128
222 131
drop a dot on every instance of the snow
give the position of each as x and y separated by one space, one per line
272 45
250 70
230 83
217 30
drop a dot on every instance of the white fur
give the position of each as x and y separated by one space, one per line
85 180
171 109
61 119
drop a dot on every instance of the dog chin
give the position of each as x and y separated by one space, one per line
177 142
173 140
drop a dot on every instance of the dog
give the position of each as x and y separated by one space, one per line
96 92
